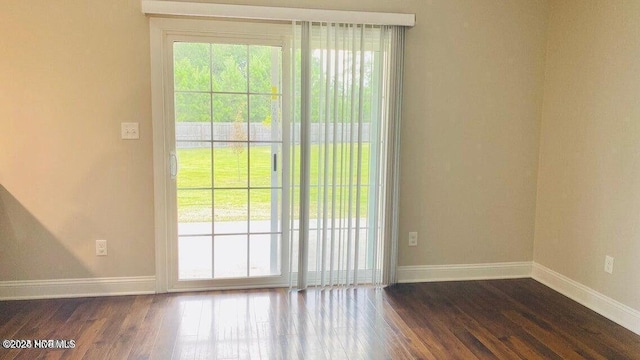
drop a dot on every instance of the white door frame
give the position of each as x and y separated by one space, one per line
161 29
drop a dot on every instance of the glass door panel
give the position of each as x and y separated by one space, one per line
228 109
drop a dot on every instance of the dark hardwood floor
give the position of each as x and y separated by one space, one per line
498 319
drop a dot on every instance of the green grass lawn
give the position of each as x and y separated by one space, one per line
230 170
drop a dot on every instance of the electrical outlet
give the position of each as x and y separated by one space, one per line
130 131
608 264
101 247
413 238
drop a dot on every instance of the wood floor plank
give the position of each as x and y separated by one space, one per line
405 335
481 339
69 319
436 310
525 351
568 320
148 328
39 326
129 328
495 319
488 312
165 340
575 320
86 338
556 344
118 307
485 318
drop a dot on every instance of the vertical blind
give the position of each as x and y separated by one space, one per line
346 96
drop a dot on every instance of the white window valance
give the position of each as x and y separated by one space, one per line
179 8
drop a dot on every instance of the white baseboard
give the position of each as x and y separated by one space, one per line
429 273
68 288
592 299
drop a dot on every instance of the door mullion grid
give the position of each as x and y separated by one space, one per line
213 233
229 92
248 161
248 142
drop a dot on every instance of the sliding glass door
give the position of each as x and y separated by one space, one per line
276 157
228 162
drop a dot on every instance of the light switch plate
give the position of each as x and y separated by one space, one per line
130 130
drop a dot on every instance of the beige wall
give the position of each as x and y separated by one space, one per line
588 189
71 71
473 91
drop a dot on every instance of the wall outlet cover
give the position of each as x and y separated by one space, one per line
101 247
130 130
608 264
413 238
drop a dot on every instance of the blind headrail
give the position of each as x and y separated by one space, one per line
179 8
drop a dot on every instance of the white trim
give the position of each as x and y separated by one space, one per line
228 287
592 299
179 8
160 156
230 284
70 288
429 273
